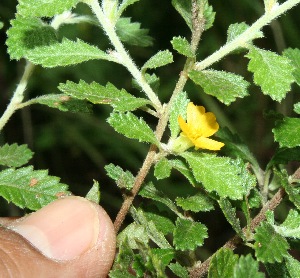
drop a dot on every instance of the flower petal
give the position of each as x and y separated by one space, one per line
206 143
184 126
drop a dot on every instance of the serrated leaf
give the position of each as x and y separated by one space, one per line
94 193
124 179
15 155
63 103
162 169
150 192
222 264
132 127
132 33
294 56
236 29
291 226
287 132
228 177
182 46
195 203
183 168
160 59
26 34
179 270
272 72
178 108
98 94
269 246
293 266
189 234
225 86
230 214
66 53
123 6
28 188
44 8
247 267
162 223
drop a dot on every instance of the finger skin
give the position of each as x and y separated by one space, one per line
18 258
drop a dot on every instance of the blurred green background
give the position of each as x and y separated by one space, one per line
76 147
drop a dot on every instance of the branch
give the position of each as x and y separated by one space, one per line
201 269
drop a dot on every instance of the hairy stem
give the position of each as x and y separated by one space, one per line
246 36
122 54
201 269
18 95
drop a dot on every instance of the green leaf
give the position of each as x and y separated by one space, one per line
182 46
247 267
63 103
228 177
188 234
179 270
66 53
1 24
132 33
15 155
291 226
287 132
284 155
162 223
196 203
230 214
150 192
132 127
162 169
225 86
120 100
160 259
294 56
183 168
297 107
28 188
44 8
269 246
160 59
184 8
27 33
277 270
222 264
272 72
151 79
123 6
94 193
124 179
237 29
293 266
179 107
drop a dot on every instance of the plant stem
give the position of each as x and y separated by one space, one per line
246 36
125 58
18 95
201 269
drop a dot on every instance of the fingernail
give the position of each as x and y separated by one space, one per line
63 230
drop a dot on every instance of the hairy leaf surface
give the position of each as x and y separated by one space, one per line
14 155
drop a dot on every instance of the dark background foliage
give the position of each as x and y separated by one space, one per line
76 147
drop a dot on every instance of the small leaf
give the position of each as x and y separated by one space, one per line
66 53
230 214
293 266
42 8
15 155
247 267
272 72
160 59
94 193
179 270
228 177
188 234
98 94
291 226
284 155
63 103
132 127
28 188
225 86
294 56
237 29
182 46
162 223
269 246
222 264
160 259
162 169
196 203
178 108
27 33
124 179
287 132
132 33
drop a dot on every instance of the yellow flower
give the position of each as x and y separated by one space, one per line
198 127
